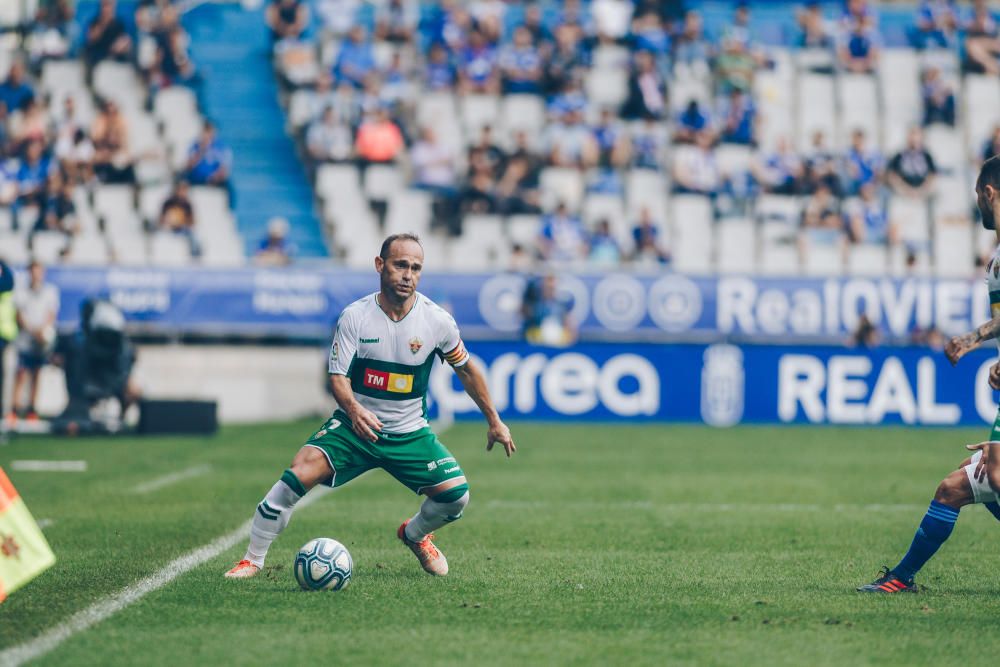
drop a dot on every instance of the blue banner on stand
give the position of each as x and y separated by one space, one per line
669 306
725 384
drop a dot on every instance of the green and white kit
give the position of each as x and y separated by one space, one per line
389 365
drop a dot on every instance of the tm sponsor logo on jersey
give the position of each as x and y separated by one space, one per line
399 383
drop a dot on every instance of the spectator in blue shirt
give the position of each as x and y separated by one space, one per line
692 47
563 236
439 73
691 122
14 91
780 171
604 248
33 174
646 239
737 118
649 34
478 70
859 50
356 59
612 142
869 222
565 59
209 162
937 25
939 98
275 249
862 164
647 145
982 41
397 20
521 64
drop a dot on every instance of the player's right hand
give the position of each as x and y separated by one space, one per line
955 349
365 424
995 375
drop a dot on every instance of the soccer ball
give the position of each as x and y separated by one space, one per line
323 565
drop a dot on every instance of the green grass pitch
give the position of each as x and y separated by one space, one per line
609 544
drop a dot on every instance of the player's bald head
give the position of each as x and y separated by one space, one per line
387 245
987 188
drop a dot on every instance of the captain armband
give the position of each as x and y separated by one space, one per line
457 357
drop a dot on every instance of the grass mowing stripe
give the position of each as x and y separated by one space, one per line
48 466
103 609
158 483
701 507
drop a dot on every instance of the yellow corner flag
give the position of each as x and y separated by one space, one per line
24 553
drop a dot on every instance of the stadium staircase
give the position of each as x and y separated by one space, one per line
231 46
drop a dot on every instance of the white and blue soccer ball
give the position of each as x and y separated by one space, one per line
323 565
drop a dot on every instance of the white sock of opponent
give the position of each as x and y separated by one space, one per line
272 515
433 515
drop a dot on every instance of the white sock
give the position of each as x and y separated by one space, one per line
271 517
432 516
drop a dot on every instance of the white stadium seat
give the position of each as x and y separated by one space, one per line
169 249
408 211
816 109
692 233
14 248
866 259
48 247
858 107
524 229
382 181
561 184
737 246
953 249
88 250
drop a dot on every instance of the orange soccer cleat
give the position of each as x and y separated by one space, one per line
242 570
432 560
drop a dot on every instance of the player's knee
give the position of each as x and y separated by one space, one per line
453 501
993 477
954 490
311 467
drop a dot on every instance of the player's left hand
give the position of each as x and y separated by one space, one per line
995 376
500 433
956 348
987 449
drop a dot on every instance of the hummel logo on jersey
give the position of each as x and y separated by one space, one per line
369 341
398 383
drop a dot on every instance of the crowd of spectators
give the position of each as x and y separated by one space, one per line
363 112
51 146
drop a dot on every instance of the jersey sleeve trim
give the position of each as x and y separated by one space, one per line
458 356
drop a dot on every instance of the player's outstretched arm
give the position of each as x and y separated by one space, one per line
475 386
959 346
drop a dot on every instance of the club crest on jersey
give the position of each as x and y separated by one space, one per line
415 344
334 351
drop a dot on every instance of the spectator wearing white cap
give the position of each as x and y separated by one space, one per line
275 249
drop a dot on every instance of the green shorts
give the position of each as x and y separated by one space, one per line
418 459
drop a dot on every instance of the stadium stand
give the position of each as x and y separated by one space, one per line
716 122
619 107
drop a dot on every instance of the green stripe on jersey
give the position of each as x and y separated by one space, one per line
995 297
389 380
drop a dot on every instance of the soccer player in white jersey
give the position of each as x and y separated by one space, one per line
380 361
977 479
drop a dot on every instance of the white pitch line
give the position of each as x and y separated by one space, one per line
111 605
49 466
172 478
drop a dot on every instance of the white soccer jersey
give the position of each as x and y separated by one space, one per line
993 284
389 363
